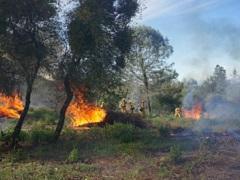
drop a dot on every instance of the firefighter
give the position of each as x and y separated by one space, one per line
142 108
102 104
131 107
123 105
178 112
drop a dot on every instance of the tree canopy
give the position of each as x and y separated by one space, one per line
146 61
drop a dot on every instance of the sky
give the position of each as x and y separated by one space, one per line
203 33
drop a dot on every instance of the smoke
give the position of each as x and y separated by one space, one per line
216 35
220 112
4 124
65 8
212 41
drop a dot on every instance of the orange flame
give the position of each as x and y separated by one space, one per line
82 113
10 106
194 113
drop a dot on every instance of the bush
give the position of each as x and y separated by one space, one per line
73 156
175 154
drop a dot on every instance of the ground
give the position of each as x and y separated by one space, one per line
168 149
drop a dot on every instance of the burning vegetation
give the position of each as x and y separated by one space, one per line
81 113
10 106
194 113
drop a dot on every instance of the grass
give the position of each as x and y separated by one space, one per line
45 116
119 151
171 121
77 153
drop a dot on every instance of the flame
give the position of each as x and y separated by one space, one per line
194 113
80 112
10 106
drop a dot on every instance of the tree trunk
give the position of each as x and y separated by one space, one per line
149 103
64 108
146 84
20 122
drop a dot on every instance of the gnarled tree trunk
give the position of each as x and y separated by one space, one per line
64 108
20 122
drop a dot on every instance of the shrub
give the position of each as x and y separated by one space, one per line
73 156
175 154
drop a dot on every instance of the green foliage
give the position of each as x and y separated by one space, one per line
39 135
146 62
8 81
100 38
121 132
27 41
214 85
73 155
175 154
6 136
167 96
46 116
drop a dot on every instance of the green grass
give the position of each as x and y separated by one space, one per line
171 121
45 116
119 151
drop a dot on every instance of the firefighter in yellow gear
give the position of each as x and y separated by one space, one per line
131 107
123 105
178 112
142 108
102 104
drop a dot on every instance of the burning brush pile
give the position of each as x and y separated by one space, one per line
81 113
10 106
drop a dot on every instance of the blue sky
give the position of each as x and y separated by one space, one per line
203 33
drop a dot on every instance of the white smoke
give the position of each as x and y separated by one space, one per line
219 111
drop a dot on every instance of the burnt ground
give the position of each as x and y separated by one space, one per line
217 157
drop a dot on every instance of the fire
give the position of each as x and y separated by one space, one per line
194 113
10 106
81 112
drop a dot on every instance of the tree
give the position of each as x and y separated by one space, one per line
99 38
215 84
9 79
147 58
166 91
25 36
